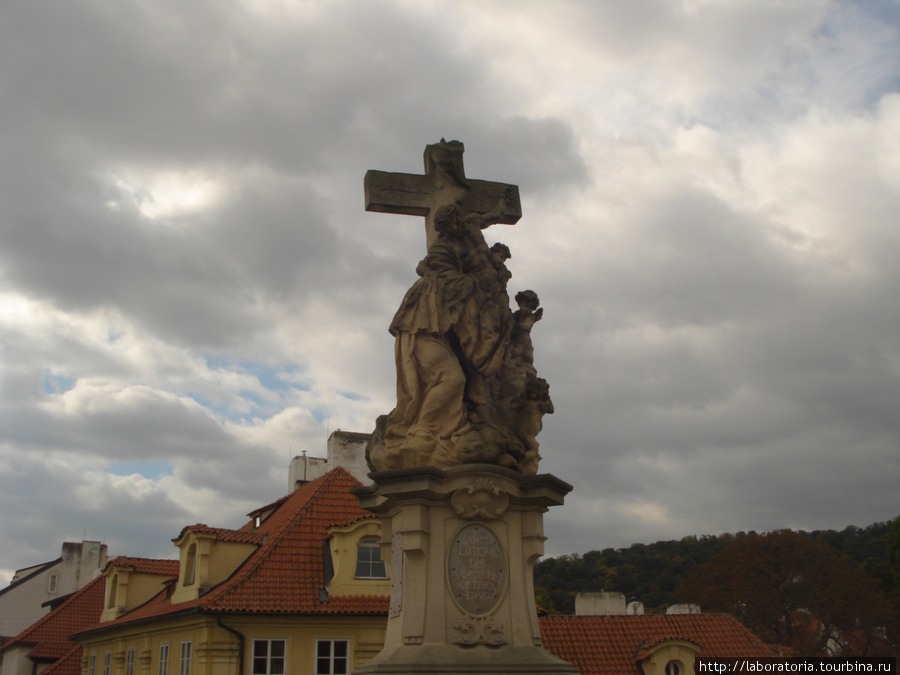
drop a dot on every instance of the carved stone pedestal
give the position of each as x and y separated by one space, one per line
463 545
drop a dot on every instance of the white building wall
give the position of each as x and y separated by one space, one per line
346 449
604 602
20 602
16 661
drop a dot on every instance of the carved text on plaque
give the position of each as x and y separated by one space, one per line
476 569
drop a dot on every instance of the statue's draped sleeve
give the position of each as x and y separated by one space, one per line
433 304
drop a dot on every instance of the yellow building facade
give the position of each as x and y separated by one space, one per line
301 588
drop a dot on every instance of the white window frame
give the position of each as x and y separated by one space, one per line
52 584
267 670
92 664
163 659
107 663
184 663
326 665
129 661
369 544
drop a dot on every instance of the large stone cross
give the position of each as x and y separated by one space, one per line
444 182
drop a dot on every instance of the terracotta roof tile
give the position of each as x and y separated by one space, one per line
50 651
223 534
610 644
286 573
68 664
50 634
167 568
81 610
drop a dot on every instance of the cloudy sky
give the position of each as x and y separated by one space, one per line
191 291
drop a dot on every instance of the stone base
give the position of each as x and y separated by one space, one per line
463 544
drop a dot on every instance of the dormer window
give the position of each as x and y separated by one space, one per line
674 668
369 564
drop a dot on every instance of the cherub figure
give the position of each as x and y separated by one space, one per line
500 254
525 317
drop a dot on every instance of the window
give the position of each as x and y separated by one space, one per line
674 668
107 662
190 565
113 587
129 662
52 583
331 657
163 660
185 668
268 657
92 664
369 564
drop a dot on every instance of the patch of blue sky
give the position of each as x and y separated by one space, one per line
113 335
319 415
57 384
152 470
353 396
257 408
261 403
887 11
222 411
275 377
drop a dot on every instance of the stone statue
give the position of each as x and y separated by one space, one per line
467 389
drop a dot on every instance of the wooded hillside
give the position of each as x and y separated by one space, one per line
822 593
650 573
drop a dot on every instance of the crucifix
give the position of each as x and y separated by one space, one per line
444 182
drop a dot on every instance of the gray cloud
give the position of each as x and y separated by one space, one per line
192 290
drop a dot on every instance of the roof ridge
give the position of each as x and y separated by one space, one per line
221 533
153 566
134 557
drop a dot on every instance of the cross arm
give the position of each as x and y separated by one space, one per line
416 195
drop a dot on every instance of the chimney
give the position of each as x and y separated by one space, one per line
595 604
346 449
683 609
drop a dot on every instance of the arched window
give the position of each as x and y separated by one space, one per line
369 564
113 588
190 565
674 668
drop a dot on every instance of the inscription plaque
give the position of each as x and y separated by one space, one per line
476 569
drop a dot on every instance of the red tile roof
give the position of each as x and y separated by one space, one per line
223 534
286 573
68 664
50 651
49 635
167 568
81 610
611 644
